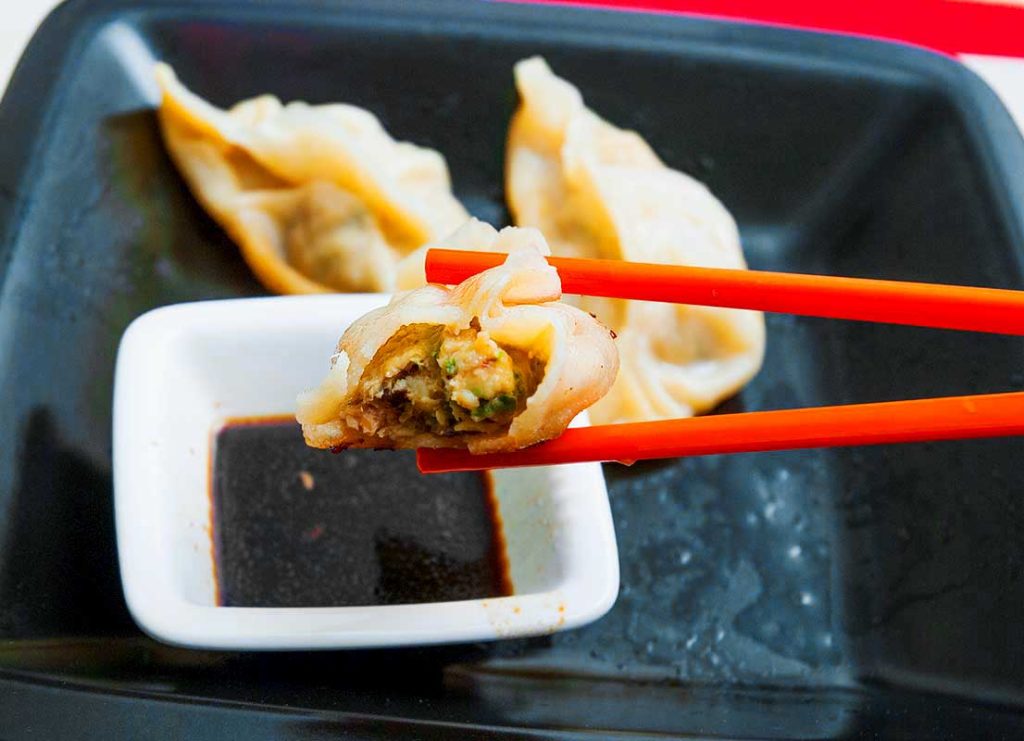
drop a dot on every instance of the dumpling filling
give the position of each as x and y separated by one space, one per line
430 379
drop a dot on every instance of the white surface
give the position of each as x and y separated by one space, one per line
1005 75
18 21
183 370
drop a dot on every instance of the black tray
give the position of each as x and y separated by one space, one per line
830 593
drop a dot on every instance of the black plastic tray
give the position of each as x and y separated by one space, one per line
834 593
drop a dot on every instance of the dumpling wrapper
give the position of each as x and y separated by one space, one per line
595 190
319 198
513 307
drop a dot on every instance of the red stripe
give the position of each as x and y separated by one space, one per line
942 25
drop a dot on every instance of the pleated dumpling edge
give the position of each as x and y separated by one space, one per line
495 363
319 198
599 191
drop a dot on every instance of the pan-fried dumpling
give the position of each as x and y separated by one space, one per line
595 190
318 197
493 364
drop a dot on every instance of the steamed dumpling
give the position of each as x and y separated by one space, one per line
318 197
493 364
595 190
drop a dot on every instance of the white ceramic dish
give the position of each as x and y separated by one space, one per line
183 370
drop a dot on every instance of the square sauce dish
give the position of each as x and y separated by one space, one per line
232 534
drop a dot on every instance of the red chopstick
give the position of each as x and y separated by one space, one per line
893 302
920 304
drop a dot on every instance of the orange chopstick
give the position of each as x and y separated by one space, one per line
919 304
947 418
894 302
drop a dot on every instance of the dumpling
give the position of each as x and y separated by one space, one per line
318 197
595 190
493 364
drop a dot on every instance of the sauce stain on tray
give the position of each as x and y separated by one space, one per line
299 527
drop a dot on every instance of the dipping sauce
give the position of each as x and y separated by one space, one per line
299 527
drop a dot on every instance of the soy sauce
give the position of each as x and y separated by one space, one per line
298 527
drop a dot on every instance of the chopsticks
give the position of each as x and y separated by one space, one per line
919 304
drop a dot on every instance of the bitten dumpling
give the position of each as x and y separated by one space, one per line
319 198
595 190
495 363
